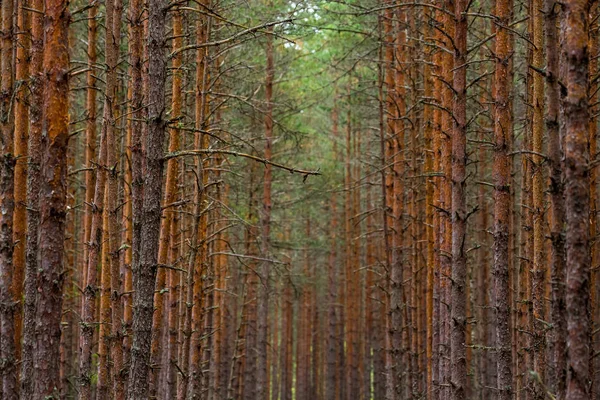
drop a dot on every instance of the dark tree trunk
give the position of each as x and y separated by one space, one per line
557 372
144 272
458 322
574 39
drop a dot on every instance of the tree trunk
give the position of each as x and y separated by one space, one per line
21 153
144 272
7 204
53 193
538 275
170 194
33 193
136 188
574 41
262 300
446 200
113 42
502 181
332 350
170 197
459 207
557 373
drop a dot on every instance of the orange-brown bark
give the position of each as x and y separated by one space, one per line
574 39
7 204
52 199
502 181
21 137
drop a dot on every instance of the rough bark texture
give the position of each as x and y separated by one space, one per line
94 218
387 143
33 191
7 204
137 101
144 272
112 204
198 254
90 292
577 195
502 181
169 197
90 136
447 139
459 208
21 138
172 178
557 338
53 191
538 274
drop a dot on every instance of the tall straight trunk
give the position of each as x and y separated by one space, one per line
104 314
192 294
557 373
234 381
218 289
170 197
482 275
286 367
21 138
33 192
393 317
459 207
262 300
331 376
574 41
349 259
144 272
384 86
53 193
538 345
349 307
398 299
446 203
127 231
437 221
354 282
113 41
594 43
248 380
170 194
413 114
502 181
7 204
521 338
89 292
198 254
97 219
136 18
173 320
428 112
90 135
